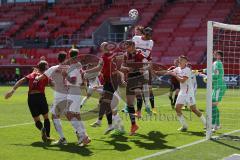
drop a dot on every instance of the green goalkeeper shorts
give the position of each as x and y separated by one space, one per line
217 94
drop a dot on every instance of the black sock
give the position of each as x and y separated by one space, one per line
131 112
175 99
47 127
39 125
151 98
100 118
139 103
109 118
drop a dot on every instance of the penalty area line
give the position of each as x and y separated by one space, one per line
171 150
183 146
14 125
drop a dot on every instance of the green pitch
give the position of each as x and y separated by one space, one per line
21 140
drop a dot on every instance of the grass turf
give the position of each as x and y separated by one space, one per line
156 134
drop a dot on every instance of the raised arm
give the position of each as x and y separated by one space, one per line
15 87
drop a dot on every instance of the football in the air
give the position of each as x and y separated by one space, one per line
133 14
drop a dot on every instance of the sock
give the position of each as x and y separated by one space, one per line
83 101
214 114
203 119
182 121
146 95
99 121
115 101
217 117
131 114
79 127
151 99
47 127
39 125
58 126
117 121
175 99
139 103
109 118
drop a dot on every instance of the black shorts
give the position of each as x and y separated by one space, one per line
37 104
108 87
134 81
150 78
174 86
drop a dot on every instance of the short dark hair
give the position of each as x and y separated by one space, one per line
62 56
219 52
147 31
73 53
42 66
129 43
139 28
183 57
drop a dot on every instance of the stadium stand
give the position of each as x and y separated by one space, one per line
179 26
182 28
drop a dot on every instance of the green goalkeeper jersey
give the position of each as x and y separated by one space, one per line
218 75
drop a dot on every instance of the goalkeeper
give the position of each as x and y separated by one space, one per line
219 88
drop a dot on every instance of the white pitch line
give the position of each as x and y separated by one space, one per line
14 125
171 150
184 146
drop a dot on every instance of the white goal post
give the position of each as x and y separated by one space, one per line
224 37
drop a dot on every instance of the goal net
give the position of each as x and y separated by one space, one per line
225 38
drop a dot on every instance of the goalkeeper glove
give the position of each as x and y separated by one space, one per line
195 72
205 79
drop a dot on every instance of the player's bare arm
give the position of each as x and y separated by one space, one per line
15 87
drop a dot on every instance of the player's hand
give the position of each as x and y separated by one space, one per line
205 79
64 73
195 72
9 94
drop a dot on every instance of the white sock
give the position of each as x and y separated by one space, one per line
83 101
146 95
99 121
203 119
115 101
58 127
182 121
79 127
82 129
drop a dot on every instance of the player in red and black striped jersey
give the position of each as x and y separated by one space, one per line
175 85
133 63
145 43
112 78
36 98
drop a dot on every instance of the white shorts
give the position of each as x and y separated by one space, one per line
115 101
74 102
90 90
185 99
59 103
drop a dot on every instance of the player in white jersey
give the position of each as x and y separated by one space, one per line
193 79
74 81
94 84
60 93
145 44
186 93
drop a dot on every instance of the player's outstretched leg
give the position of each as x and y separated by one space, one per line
181 118
151 99
58 127
134 126
78 125
138 114
146 98
39 126
199 114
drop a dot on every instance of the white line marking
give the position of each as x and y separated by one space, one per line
184 146
14 125
171 150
